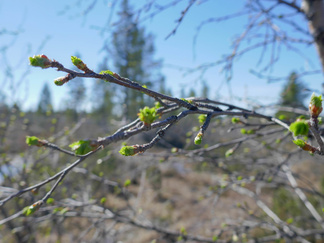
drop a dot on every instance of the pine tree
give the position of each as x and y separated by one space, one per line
133 58
45 101
292 95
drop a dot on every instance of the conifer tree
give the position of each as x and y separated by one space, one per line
133 58
45 101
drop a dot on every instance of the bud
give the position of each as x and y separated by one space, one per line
315 105
79 64
128 150
304 145
35 141
40 61
147 115
198 138
62 80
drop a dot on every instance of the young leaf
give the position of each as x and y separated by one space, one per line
127 151
35 141
202 119
299 128
315 105
40 61
148 115
107 72
81 147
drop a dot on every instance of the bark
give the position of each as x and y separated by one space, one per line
314 11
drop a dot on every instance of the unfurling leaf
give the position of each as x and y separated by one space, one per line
202 119
107 72
229 153
40 61
29 210
34 141
235 120
299 127
79 64
127 183
127 151
148 115
300 143
315 105
82 147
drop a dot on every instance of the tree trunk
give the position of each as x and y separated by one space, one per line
314 11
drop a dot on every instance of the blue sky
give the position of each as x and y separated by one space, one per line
60 35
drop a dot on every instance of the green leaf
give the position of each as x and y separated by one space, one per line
282 117
81 147
29 210
316 100
229 153
299 142
111 73
127 183
299 128
127 151
235 120
103 200
76 61
35 141
148 115
40 61
157 105
183 231
243 131
50 200
202 119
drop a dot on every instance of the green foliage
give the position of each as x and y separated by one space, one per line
127 183
148 115
202 119
315 105
103 200
81 147
292 93
157 105
33 141
40 61
299 128
78 63
316 100
235 120
59 81
127 151
229 153
198 138
133 52
29 210
111 73
50 200
282 117
299 142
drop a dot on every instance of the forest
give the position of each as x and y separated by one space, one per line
119 150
